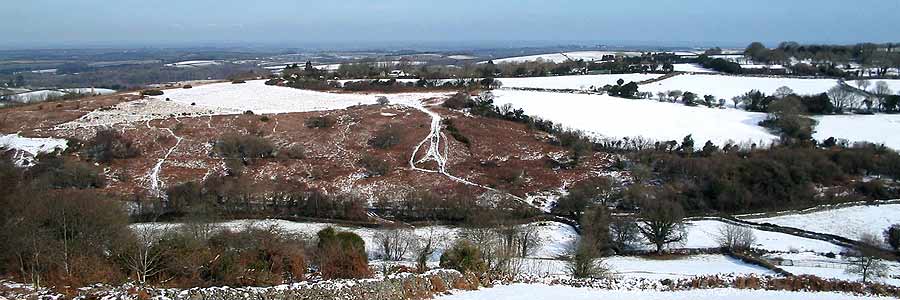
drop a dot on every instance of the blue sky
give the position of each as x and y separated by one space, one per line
300 23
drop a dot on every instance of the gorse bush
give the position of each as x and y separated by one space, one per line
319 122
463 256
386 137
341 254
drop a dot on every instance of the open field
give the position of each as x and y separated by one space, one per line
607 116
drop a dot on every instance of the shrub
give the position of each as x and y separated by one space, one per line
295 151
58 173
249 112
238 81
109 144
243 148
382 100
386 137
319 122
374 166
152 92
342 255
458 101
892 236
455 133
463 256
187 86
274 81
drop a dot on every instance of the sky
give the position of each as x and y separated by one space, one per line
299 23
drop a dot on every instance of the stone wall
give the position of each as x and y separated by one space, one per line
393 287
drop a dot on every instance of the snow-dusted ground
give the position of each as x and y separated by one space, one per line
260 98
27 148
847 222
562 57
726 87
574 82
555 292
695 68
870 128
616 117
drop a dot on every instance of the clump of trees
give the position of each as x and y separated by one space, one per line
109 144
242 150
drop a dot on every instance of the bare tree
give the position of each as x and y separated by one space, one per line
661 96
395 243
737 100
863 84
143 255
528 239
735 237
866 262
624 232
783 92
882 88
425 247
662 223
841 98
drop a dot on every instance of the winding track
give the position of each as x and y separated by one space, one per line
433 153
156 185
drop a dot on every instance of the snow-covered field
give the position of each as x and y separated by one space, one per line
574 82
193 63
870 128
726 87
27 148
555 292
825 267
562 57
703 233
695 68
616 117
847 222
260 98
